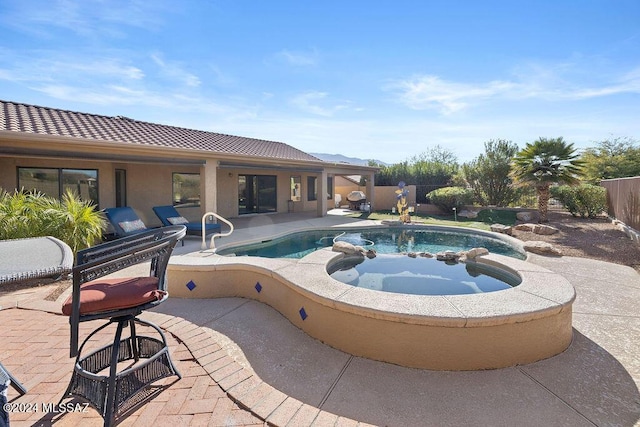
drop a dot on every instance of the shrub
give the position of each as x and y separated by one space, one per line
585 200
32 214
447 198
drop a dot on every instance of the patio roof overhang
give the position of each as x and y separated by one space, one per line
18 144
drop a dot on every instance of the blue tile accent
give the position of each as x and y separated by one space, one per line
191 286
258 287
303 313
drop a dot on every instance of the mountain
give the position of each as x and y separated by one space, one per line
339 158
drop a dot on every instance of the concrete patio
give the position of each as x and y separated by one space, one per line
244 364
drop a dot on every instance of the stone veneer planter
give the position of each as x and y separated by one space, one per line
516 326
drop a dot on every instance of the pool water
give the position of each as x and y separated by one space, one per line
384 241
421 276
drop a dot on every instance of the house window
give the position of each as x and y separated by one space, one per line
186 189
329 187
295 188
312 188
55 182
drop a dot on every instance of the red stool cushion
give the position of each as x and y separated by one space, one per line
103 295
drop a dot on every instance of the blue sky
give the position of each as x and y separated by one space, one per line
371 79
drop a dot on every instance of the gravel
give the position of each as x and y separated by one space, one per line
594 238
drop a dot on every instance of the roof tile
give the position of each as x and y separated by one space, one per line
17 117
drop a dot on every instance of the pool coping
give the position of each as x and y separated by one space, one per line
541 303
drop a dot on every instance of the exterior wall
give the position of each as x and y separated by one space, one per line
149 185
385 197
623 198
9 173
343 187
228 190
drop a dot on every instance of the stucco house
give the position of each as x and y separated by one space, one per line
119 161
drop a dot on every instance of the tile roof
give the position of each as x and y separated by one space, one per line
17 117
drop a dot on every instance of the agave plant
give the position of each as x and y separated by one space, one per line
545 162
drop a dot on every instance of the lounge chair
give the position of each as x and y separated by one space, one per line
124 221
170 216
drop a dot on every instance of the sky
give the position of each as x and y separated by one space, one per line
384 80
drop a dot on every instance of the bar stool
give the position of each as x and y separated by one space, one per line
121 301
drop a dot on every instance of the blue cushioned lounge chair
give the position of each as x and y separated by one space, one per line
124 221
170 216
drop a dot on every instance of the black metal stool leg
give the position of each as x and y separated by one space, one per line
134 340
113 372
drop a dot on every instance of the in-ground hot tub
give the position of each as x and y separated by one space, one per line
523 324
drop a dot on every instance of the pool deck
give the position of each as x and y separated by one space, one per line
237 354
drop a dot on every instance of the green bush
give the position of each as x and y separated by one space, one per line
32 214
447 198
585 200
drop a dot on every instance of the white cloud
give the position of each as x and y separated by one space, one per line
310 102
84 17
448 97
563 82
299 59
175 70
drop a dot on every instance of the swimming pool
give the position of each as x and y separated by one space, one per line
391 240
523 324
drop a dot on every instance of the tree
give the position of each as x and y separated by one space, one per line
488 174
545 162
616 158
432 169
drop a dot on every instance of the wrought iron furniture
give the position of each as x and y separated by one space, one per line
121 301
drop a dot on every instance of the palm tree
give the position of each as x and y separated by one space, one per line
545 162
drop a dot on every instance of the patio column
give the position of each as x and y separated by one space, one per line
370 192
209 186
322 194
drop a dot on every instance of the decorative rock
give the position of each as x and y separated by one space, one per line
544 230
347 248
426 255
525 216
524 227
541 248
468 214
476 252
447 256
500 228
412 255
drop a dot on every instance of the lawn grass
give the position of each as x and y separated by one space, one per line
485 218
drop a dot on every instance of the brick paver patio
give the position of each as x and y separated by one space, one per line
35 349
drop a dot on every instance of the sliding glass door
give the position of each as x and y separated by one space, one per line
257 194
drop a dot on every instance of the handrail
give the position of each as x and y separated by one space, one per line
212 245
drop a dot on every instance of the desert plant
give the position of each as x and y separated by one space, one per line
488 174
545 162
33 214
448 198
585 200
